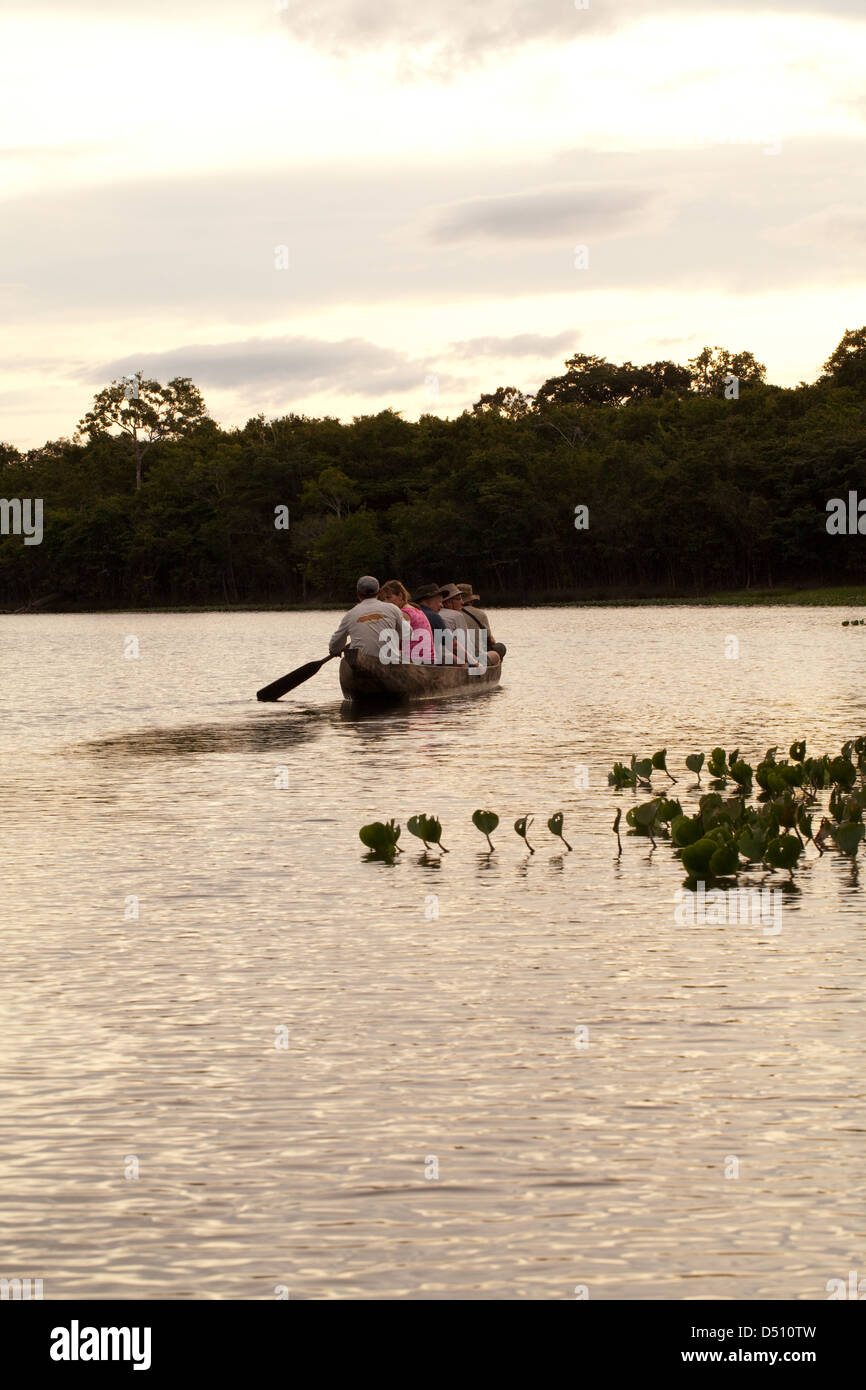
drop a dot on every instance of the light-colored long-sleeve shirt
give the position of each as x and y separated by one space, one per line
478 613
362 624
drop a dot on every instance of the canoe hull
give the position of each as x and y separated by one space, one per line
363 677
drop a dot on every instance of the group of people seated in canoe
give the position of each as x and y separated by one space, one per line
437 625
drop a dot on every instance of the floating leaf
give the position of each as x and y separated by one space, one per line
428 829
554 825
621 776
848 836
783 852
804 823
521 826
843 772
718 765
686 830
751 843
725 861
659 761
696 857
486 822
694 763
380 838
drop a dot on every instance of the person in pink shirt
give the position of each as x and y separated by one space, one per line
421 636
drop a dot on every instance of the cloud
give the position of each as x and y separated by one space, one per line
547 214
436 37
350 366
520 345
194 257
832 229
444 33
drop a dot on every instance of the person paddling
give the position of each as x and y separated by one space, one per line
362 624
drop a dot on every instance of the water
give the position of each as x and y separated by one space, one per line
411 1038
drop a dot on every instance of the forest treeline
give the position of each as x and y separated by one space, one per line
696 479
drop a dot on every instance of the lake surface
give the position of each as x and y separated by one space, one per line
153 1043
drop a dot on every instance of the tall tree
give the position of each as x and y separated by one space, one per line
146 412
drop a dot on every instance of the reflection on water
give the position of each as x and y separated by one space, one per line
250 736
183 878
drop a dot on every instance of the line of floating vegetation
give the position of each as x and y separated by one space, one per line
381 837
727 834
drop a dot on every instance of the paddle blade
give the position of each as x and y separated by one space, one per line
294 678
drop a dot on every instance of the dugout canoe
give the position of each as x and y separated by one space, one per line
364 677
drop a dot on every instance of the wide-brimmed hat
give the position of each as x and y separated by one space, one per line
427 591
469 595
450 591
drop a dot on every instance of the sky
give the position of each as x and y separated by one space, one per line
333 207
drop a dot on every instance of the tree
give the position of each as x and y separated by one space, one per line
713 364
346 549
332 490
588 380
507 401
847 365
146 412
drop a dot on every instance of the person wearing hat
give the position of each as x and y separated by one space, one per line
428 597
465 648
362 624
478 617
452 608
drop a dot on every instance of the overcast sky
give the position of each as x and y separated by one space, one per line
334 206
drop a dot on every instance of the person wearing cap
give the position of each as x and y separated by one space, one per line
362 624
478 617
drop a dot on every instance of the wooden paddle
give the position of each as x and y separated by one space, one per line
294 678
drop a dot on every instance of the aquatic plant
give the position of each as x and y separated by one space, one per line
622 776
659 761
486 822
554 825
521 826
428 829
783 852
381 838
727 833
848 836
